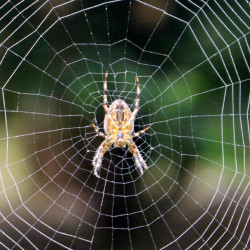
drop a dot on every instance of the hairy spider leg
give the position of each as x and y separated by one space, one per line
137 156
133 115
137 97
98 132
140 132
97 161
105 98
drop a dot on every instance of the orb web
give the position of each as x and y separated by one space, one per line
191 58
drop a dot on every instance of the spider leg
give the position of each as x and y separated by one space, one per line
105 98
97 161
140 163
137 98
138 95
140 132
133 115
98 132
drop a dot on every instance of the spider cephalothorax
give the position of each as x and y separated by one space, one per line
119 127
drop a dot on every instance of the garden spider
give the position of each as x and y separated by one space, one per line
118 127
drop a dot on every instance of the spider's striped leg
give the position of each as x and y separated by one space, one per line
98 132
105 98
97 161
140 132
133 115
137 97
140 163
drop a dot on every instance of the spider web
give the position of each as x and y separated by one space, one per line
191 58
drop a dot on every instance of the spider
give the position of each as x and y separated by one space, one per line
119 127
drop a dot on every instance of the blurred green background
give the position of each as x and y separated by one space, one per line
192 63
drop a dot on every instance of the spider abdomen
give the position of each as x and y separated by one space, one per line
117 119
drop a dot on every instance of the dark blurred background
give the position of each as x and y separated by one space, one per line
191 58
